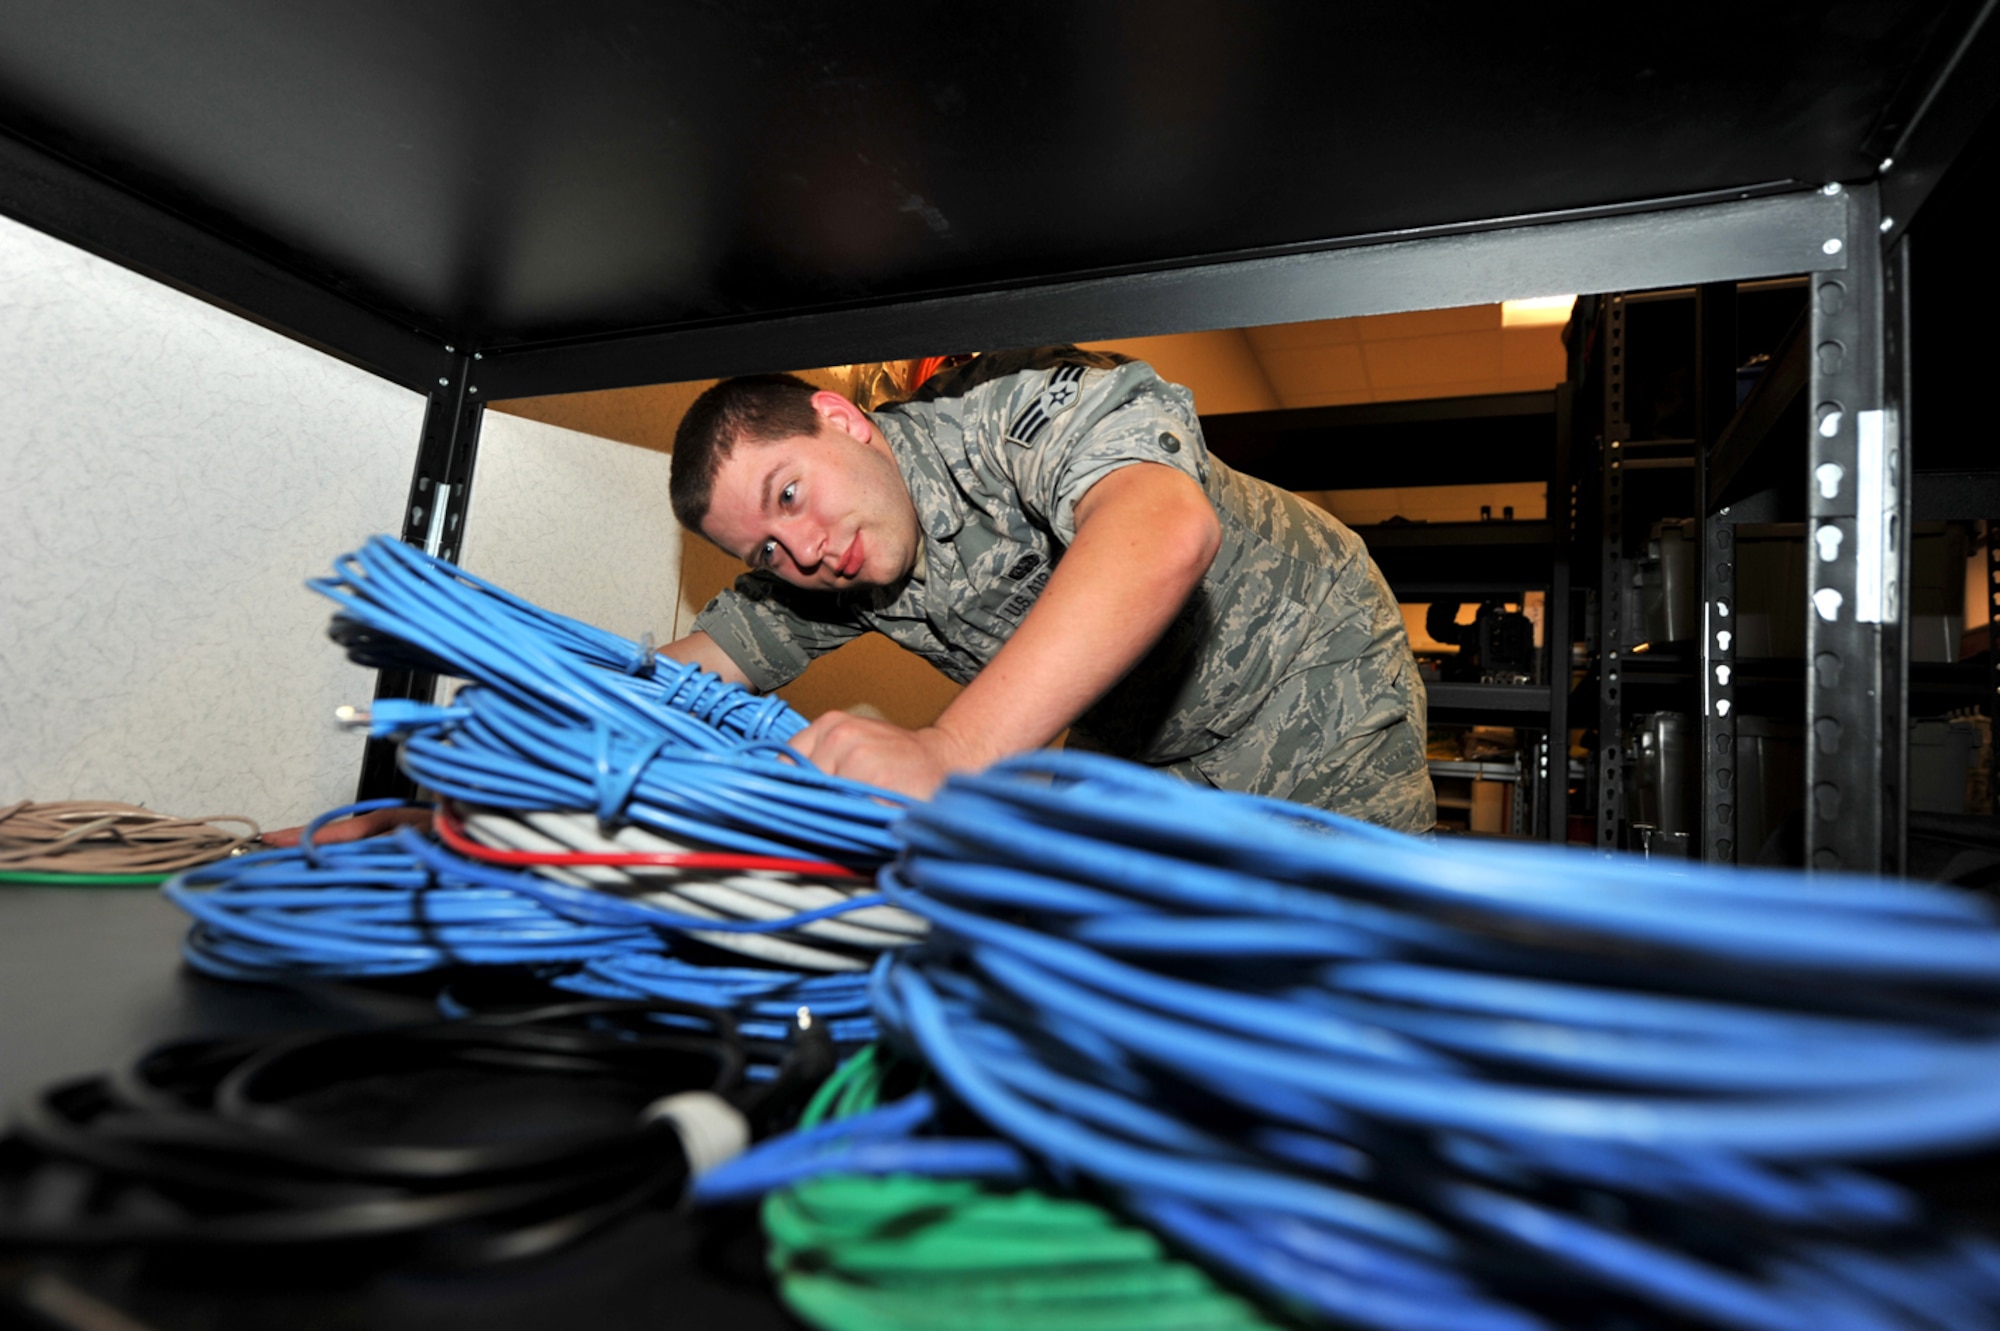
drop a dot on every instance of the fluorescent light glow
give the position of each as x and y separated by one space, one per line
1536 312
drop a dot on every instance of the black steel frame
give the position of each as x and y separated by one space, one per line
1854 368
434 517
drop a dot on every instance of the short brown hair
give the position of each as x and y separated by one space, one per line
758 408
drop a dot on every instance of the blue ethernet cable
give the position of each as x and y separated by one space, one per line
402 608
490 750
1310 1049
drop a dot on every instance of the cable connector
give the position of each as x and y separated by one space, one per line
711 1129
393 718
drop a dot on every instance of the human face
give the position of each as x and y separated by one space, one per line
828 511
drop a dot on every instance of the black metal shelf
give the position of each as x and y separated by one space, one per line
1481 439
1509 699
1443 556
1738 465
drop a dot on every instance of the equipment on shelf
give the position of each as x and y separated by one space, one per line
1498 647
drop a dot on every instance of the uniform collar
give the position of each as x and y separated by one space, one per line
939 503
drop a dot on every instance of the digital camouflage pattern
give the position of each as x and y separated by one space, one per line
1288 671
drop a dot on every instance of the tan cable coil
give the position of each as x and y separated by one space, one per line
105 837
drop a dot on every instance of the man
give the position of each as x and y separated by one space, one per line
1048 529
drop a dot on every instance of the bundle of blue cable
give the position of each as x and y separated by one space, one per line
592 787
404 905
1407 1084
401 608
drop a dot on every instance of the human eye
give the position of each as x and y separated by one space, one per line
789 495
767 552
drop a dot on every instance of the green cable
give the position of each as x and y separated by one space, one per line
856 1252
24 878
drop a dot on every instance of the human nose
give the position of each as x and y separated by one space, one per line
805 541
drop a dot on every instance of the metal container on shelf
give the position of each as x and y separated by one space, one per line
1771 595
1658 795
1770 784
1940 761
1669 582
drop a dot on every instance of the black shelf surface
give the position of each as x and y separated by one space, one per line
1741 463
1963 681
1476 440
1945 496
1469 556
1499 699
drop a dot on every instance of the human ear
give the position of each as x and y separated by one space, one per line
843 415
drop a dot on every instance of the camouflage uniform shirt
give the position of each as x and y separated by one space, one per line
1286 673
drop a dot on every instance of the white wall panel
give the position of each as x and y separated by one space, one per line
575 523
169 476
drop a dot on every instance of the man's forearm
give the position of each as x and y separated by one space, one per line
699 649
1145 536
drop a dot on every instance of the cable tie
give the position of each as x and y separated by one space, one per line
615 785
642 663
712 1131
350 717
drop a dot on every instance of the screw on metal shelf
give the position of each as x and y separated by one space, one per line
477 356
1888 224
451 350
1830 188
473 389
1887 162
1832 246
444 383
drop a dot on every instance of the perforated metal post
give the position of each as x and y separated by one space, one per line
433 520
1612 590
1896 515
1853 557
1715 657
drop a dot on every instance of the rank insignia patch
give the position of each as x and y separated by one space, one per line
1064 388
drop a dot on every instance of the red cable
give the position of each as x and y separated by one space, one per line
452 833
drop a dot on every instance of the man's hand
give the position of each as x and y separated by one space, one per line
877 753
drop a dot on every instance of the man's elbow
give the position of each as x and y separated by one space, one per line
1196 539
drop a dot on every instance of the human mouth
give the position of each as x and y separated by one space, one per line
850 563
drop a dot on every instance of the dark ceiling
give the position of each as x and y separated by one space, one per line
521 172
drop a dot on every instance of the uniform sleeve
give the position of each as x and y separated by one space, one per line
772 631
1068 426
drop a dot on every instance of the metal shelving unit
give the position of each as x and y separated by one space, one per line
1475 439
685 220
1822 442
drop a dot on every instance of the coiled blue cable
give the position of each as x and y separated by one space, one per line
489 749
1495 1070
400 607
404 905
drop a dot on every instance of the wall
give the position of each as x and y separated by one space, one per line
169 476
576 524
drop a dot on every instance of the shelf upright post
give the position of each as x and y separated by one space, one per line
1897 514
433 520
1715 656
1854 473
1554 758
1612 597
1992 662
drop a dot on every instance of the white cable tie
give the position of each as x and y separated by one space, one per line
712 1131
